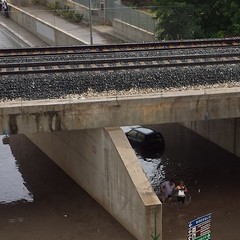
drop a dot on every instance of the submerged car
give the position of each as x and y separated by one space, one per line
146 139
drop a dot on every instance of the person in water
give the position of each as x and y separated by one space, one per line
167 189
181 192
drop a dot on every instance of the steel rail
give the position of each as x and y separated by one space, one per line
68 55
119 60
164 45
117 50
117 64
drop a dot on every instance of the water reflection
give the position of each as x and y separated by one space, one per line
12 187
153 168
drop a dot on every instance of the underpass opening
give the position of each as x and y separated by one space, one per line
211 175
58 207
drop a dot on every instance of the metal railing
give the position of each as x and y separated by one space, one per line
134 17
131 16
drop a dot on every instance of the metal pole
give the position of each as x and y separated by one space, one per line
90 22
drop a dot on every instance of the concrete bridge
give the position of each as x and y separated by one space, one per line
84 138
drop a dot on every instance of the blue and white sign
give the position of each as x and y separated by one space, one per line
201 220
199 229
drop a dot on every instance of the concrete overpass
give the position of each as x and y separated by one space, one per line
83 137
166 107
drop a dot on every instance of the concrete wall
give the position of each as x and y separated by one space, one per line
223 132
51 35
121 30
124 31
55 36
103 163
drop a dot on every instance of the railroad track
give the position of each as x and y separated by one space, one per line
118 63
156 46
116 57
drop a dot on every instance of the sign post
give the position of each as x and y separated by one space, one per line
199 229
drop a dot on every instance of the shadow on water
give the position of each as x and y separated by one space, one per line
191 157
41 175
25 170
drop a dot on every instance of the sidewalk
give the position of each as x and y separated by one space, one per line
21 33
101 34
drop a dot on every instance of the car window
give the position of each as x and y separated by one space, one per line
140 137
132 134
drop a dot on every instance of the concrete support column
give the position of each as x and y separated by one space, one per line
103 163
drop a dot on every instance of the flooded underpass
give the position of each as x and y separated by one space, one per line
212 177
39 201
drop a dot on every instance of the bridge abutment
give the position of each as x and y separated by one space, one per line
103 163
223 132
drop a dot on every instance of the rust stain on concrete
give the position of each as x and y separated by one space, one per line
12 123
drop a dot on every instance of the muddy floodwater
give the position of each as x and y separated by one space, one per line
38 201
212 177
